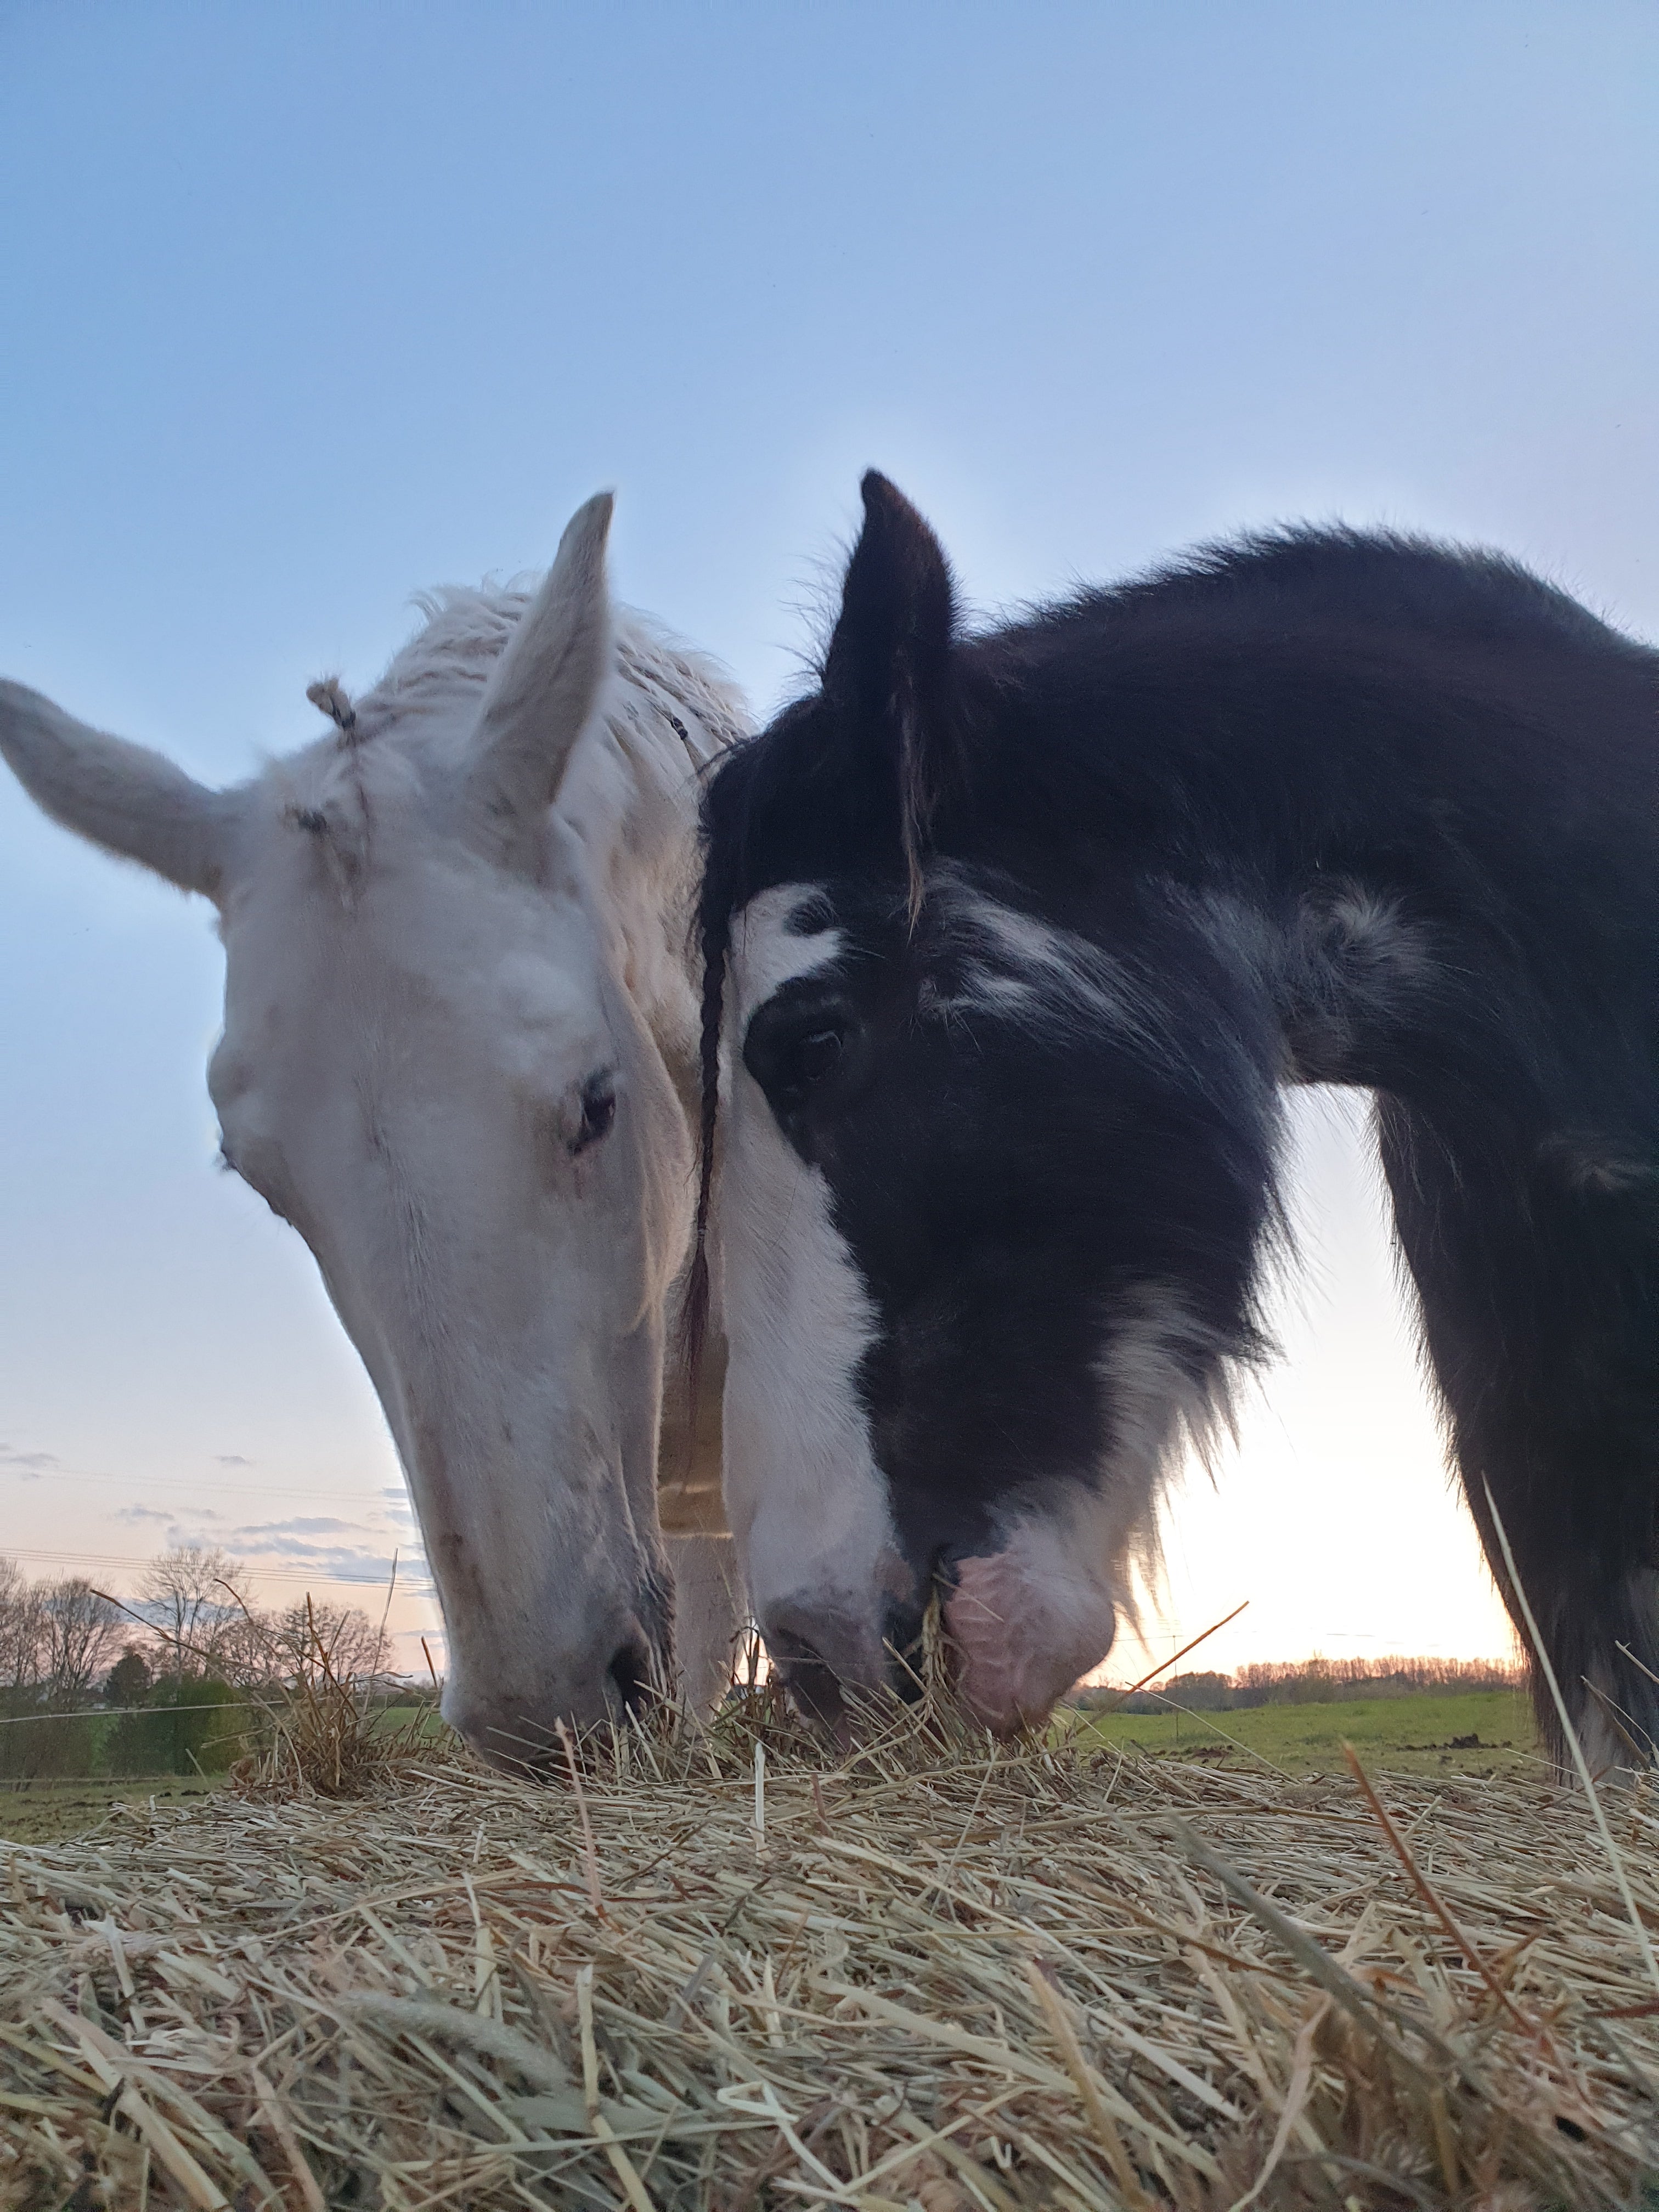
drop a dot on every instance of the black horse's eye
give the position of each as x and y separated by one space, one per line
598 1112
812 1058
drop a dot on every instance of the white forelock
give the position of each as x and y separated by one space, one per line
417 718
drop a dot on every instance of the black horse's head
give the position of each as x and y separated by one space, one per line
995 1165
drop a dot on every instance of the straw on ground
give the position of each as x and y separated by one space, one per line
937 1974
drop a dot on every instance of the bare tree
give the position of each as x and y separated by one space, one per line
195 1599
22 1629
81 1630
292 1644
199 1604
242 1648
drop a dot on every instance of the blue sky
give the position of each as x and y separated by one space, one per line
308 307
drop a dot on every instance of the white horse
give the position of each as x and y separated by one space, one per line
459 1054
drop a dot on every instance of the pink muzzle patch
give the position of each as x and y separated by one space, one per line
1025 1626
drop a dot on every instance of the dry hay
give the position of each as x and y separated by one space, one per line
322 1735
934 1975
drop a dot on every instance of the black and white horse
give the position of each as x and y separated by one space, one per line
1016 937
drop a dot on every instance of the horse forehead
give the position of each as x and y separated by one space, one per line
419 948
784 932
974 945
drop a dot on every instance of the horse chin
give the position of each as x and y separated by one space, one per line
1025 1625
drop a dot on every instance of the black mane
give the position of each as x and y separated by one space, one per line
1310 606
1329 572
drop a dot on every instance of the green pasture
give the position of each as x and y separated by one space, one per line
421 1720
1394 1734
49 1806
1402 1735
44 1812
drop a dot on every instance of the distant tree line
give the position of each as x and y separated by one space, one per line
175 1680
1316 1681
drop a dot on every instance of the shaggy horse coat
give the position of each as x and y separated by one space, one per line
1017 937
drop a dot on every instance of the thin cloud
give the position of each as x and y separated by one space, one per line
28 1467
168 1514
301 1545
231 1459
350 1563
302 1525
398 1510
304 1543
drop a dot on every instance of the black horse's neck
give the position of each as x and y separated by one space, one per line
1418 792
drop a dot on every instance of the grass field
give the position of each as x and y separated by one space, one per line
1404 1736
41 1811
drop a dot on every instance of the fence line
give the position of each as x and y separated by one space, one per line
111 1712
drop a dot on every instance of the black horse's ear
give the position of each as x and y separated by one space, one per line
888 674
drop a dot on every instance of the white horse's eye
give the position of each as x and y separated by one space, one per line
598 1112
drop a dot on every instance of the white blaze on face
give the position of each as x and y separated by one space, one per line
808 1505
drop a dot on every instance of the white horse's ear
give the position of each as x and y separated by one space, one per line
130 800
542 692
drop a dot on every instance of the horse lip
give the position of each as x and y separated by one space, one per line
531 1757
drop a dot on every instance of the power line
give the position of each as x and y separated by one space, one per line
165 1482
101 1712
420 1576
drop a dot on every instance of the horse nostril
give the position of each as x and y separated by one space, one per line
629 1676
789 1649
815 1689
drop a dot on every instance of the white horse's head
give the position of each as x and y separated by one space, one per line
438 1064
